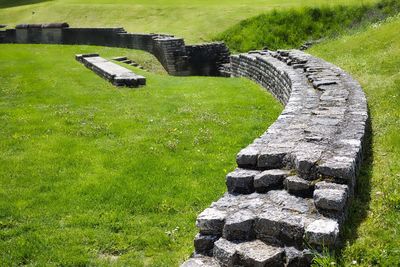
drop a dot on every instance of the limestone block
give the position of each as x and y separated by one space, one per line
204 244
211 221
298 258
258 254
298 186
330 199
247 156
239 226
200 261
323 232
241 181
280 227
225 252
269 179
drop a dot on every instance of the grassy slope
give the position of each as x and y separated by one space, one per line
196 20
373 58
281 29
90 174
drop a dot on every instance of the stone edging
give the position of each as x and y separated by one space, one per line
293 184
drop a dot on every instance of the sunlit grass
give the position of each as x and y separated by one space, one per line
92 174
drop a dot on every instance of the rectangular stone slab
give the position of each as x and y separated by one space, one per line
112 72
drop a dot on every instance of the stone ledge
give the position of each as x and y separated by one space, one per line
117 75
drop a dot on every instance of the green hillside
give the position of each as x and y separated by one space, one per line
196 20
293 27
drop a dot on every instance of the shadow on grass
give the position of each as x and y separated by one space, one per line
13 3
358 210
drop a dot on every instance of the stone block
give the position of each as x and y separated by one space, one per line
241 181
258 254
204 244
298 258
280 227
225 252
200 261
323 232
239 226
211 221
330 199
271 159
247 157
270 179
298 186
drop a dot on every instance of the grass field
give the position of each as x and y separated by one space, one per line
91 174
196 20
373 229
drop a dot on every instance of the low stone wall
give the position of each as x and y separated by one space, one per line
177 58
293 184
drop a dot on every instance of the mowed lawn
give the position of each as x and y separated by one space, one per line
91 174
195 20
373 229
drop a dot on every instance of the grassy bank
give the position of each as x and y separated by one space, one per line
291 28
196 21
373 229
93 175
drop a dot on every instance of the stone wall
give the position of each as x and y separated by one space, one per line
293 184
177 58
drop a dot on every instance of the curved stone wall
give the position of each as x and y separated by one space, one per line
176 57
293 183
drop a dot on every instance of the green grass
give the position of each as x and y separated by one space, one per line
91 174
373 58
293 27
196 21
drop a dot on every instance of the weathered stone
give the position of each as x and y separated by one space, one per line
339 168
330 185
225 252
114 73
241 181
247 156
211 221
258 254
330 199
269 179
200 261
298 258
239 226
269 159
298 186
322 232
280 227
204 244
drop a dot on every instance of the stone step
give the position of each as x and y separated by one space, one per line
244 181
329 198
276 217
